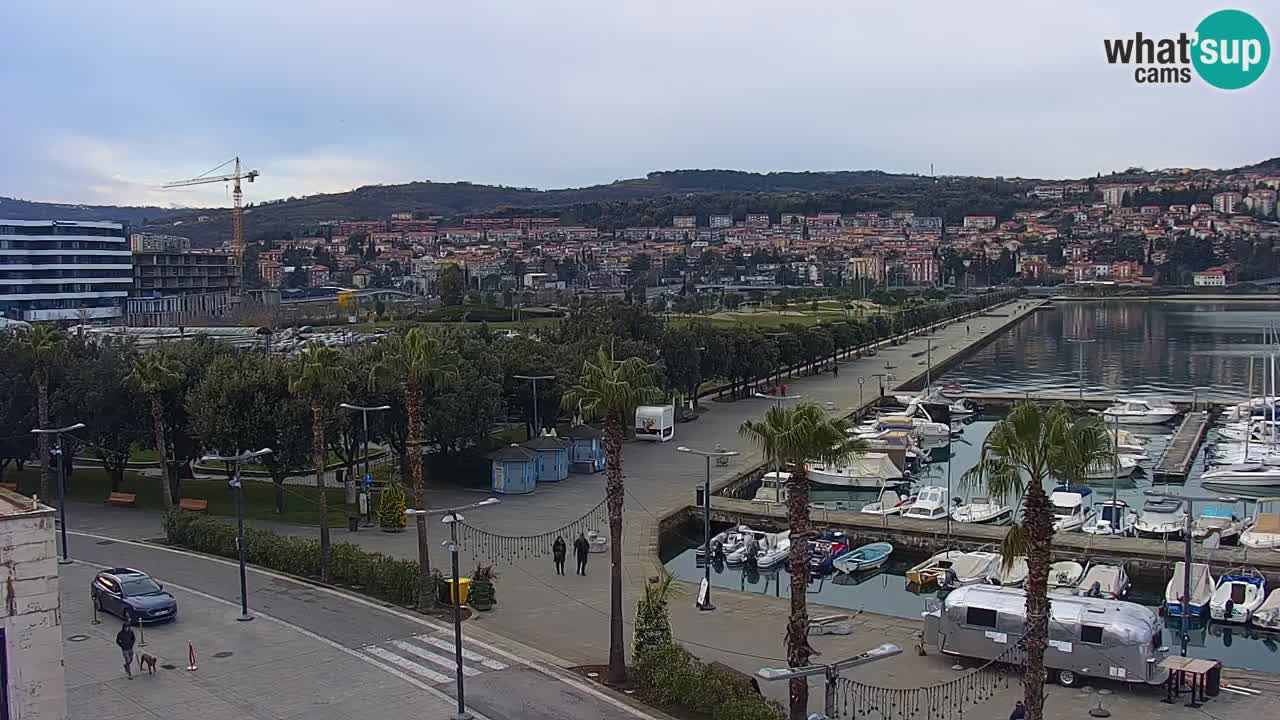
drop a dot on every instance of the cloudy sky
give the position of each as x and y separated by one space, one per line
103 101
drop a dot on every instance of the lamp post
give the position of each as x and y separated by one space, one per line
233 467
928 368
62 481
830 671
704 601
778 397
368 478
537 419
1081 342
452 517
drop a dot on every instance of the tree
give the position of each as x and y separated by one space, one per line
93 390
319 375
611 390
452 284
415 361
789 438
1033 444
44 346
155 373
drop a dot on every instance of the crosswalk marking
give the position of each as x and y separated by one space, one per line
445 644
449 663
406 664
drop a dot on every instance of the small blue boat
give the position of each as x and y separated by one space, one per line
867 557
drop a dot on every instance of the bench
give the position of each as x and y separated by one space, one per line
122 499
193 505
13 486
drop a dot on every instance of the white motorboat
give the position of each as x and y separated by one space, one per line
1064 576
1129 444
861 470
970 568
1202 587
774 550
1249 408
1240 592
1268 613
773 488
1264 533
891 502
1244 475
982 509
1140 411
1011 576
1220 521
922 428
1072 507
1162 519
751 547
931 571
885 440
1114 517
1104 581
726 541
1124 467
933 503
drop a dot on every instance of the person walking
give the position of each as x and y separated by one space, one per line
125 640
1019 711
558 551
580 549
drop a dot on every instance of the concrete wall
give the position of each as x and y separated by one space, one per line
30 614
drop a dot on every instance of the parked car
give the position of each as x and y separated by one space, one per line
132 595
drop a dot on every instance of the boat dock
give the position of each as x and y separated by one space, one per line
1092 401
1181 453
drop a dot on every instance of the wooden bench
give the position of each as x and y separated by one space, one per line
193 505
13 486
122 499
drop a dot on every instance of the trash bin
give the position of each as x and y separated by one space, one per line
1213 680
464 587
353 523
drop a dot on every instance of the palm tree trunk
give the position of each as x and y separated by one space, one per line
42 402
317 449
798 650
413 453
1039 527
157 424
614 493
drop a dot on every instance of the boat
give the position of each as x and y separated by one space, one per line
1268 613
840 505
864 470
1104 581
1220 521
751 547
931 504
1161 519
826 548
982 509
726 541
596 542
773 488
891 502
1124 466
1064 576
953 568
1128 444
1072 507
1264 533
774 550
1244 474
866 557
1239 593
1253 407
919 427
1114 517
1202 588
1012 575
928 571
1140 411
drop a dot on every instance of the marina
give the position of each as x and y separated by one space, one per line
1175 464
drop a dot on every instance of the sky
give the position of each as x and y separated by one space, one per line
105 101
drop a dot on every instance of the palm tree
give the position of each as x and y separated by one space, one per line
319 374
610 390
44 345
790 437
416 361
1031 445
155 373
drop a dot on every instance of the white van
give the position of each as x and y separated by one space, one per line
656 422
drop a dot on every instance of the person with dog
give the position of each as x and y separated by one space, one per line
125 640
580 549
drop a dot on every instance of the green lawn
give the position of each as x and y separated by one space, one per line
92 485
384 325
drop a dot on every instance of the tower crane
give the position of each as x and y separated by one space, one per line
237 222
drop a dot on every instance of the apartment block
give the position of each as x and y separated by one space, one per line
63 270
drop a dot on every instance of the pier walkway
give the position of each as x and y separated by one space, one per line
1180 455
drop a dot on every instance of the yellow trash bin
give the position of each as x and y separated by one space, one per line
464 589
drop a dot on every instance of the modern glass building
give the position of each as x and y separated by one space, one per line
63 270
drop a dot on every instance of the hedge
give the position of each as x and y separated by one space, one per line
670 675
371 573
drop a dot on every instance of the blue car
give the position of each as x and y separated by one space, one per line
133 596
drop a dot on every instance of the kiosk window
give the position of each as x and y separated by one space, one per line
981 617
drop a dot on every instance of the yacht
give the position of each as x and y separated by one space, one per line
1202 588
1072 507
1264 533
982 509
1220 521
1104 581
1239 593
933 503
1114 517
1140 411
773 488
1162 519
862 470
1244 475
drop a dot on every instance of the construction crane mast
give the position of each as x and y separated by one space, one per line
237 221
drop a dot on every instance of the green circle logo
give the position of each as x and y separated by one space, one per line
1232 49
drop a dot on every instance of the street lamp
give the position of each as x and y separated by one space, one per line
233 467
778 397
704 599
928 371
1081 342
830 671
368 478
62 481
452 517
537 419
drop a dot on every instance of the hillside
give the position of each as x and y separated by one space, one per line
17 209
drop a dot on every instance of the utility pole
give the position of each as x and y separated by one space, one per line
62 480
232 463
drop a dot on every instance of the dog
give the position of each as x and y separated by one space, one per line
147 661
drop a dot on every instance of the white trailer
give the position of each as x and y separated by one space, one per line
656 422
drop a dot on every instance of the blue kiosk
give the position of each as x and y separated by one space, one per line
553 457
586 453
515 470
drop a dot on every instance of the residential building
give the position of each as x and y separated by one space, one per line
317 275
757 220
271 272
30 617
157 274
360 278
1221 276
721 221
684 221
866 267
1046 192
1226 202
1113 195
981 222
63 270
1262 202
792 219
151 242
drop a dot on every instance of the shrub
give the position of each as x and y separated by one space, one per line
391 506
372 573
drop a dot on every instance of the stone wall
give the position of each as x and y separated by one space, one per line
29 611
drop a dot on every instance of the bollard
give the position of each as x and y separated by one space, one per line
142 638
191 658
95 621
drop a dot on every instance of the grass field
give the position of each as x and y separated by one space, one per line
384 325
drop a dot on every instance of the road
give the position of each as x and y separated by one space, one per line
310 652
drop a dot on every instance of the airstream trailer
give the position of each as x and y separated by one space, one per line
1087 636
